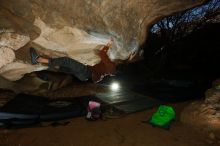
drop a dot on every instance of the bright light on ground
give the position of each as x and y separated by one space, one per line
115 86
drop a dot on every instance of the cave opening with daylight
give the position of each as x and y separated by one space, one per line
181 55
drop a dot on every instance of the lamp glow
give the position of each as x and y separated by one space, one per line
115 86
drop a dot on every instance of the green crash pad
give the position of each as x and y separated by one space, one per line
163 116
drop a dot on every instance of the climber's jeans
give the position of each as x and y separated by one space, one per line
70 66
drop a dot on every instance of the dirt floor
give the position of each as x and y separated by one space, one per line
125 131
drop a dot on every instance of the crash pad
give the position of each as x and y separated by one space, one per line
127 101
30 109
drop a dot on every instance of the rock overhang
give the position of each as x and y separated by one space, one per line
76 28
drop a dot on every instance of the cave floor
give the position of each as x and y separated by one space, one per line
127 131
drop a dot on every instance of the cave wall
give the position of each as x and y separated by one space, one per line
76 28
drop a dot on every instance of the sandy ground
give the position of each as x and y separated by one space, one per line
125 131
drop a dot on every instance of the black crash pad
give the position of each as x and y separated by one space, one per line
128 101
28 109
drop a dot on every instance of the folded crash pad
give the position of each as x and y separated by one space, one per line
24 109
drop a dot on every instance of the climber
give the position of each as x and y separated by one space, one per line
81 71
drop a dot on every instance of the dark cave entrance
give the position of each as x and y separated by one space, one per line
181 56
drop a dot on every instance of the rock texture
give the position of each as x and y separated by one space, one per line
69 41
16 70
36 83
12 40
205 114
76 28
7 56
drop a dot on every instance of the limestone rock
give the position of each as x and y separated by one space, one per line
12 40
6 56
72 42
36 83
126 21
204 114
213 97
76 28
16 70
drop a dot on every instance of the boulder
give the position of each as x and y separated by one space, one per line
204 114
16 70
77 28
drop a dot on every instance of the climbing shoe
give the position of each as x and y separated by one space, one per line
34 56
